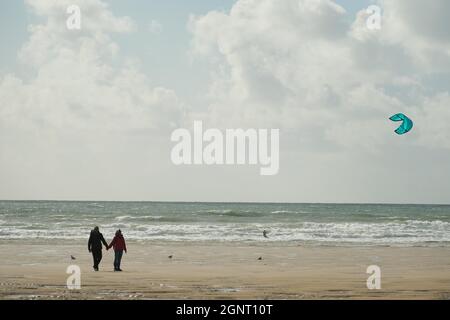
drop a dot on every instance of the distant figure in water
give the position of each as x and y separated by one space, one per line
265 232
118 243
95 246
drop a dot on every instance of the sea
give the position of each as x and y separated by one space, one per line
286 223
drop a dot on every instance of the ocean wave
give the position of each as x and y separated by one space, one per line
121 218
411 232
96 205
215 211
143 218
230 213
293 212
438 223
283 211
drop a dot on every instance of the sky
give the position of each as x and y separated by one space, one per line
88 114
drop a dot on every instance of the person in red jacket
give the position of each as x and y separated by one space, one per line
118 243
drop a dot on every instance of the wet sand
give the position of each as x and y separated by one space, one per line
224 271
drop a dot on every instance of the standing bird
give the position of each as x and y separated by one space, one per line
72 258
265 232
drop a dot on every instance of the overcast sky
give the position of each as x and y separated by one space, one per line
87 115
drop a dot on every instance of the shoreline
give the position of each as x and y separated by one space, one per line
224 271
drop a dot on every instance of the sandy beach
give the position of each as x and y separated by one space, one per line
224 271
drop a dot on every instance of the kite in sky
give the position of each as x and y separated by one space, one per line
406 125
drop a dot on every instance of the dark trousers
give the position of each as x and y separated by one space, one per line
97 256
117 259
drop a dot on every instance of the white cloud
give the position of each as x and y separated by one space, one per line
300 65
80 120
78 80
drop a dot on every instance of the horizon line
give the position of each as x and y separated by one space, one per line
229 202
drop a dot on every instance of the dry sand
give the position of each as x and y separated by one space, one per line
224 271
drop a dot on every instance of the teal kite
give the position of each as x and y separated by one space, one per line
406 126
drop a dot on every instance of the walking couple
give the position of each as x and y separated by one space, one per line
95 246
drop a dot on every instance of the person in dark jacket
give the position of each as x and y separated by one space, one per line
118 243
95 246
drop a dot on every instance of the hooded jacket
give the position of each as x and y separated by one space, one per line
95 241
118 243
